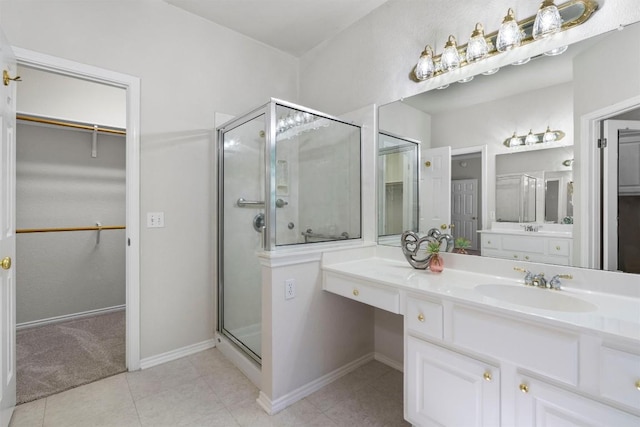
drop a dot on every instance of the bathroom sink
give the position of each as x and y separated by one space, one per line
546 299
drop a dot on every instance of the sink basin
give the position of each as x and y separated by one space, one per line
535 297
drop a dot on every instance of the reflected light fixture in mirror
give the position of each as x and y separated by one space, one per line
510 34
531 138
548 20
548 136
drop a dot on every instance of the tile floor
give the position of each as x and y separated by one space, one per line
205 389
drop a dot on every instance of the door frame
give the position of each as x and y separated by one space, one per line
131 84
590 194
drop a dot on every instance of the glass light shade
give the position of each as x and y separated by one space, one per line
557 51
491 71
509 34
549 136
515 140
425 68
450 58
477 48
443 87
531 138
522 61
466 79
548 20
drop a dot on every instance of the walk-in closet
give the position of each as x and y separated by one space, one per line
71 241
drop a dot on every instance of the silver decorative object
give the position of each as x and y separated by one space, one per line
411 244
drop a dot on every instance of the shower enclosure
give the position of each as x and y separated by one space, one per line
287 176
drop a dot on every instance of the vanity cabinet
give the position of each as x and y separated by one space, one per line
446 388
527 247
470 366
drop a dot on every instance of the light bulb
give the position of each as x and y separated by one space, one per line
425 68
477 48
515 140
549 135
450 58
531 138
509 34
548 20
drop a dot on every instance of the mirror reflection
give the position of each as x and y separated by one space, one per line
398 164
560 201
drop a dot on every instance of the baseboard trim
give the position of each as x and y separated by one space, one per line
66 317
149 362
398 366
275 406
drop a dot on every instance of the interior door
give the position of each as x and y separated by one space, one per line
7 234
436 190
621 166
464 210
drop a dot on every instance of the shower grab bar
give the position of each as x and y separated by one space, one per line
309 234
242 203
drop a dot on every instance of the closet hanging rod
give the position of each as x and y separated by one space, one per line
55 230
74 125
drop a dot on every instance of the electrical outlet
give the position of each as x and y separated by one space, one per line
155 219
289 289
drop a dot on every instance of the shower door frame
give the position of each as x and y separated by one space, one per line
220 131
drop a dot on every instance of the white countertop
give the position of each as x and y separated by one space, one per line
561 234
616 315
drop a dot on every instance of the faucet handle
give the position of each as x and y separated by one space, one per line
555 283
528 276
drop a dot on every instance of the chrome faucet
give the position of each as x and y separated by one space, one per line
555 283
528 276
539 281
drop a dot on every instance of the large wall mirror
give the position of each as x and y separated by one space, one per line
494 171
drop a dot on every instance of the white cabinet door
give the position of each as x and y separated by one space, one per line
445 388
542 405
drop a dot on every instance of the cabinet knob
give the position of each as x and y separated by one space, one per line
356 292
557 248
421 317
489 242
526 257
638 385
515 256
487 376
524 388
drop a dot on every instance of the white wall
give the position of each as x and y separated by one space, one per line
190 68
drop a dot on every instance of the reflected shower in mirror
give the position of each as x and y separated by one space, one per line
398 161
569 223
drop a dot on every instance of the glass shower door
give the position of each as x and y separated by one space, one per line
242 175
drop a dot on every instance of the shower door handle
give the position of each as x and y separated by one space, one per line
242 203
263 232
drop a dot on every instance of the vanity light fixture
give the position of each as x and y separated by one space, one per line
477 48
548 20
425 68
512 33
531 138
450 59
548 136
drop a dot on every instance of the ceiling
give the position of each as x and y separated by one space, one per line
293 26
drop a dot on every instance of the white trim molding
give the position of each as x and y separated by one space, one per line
274 406
132 86
67 317
159 359
386 360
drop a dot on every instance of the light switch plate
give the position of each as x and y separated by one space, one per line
155 219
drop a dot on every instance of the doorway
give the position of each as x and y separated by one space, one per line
468 195
131 87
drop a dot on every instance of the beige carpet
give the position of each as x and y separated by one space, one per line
54 358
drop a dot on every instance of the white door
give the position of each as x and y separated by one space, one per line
615 158
435 193
464 210
7 235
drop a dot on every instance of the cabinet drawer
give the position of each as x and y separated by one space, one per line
386 299
490 242
523 244
424 317
558 247
620 376
548 351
